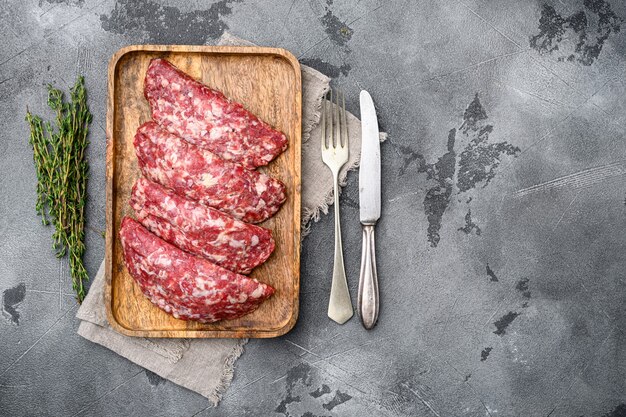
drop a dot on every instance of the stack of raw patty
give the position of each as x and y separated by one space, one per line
193 239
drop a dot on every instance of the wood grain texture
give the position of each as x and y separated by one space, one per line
267 82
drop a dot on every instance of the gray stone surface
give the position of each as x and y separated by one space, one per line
500 250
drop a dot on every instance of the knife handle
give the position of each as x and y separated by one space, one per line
368 280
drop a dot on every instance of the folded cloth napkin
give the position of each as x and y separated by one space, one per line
206 365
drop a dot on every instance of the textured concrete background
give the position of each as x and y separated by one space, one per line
500 250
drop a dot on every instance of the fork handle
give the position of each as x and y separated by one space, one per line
368 303
340 305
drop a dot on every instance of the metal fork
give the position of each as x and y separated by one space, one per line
335 155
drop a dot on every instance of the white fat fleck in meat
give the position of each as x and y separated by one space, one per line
216 110
222 238
208 180
216 133
219 222
163 261
210 301
258 292
175 87
254 240
200 293
208 283
168 204
261 185
208 157
164 83
237 244
196 216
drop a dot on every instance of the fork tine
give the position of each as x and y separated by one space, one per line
344 121
323 122
331 140
337 121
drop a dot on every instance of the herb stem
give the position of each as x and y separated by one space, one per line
62 171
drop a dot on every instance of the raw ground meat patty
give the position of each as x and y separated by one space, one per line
198 174
185 285
207 118
195 228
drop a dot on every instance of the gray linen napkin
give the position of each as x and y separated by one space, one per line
206 365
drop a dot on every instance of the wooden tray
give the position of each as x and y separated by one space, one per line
267 82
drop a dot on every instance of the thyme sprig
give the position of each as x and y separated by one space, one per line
62 169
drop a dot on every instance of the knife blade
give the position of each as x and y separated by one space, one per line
369 210
369 173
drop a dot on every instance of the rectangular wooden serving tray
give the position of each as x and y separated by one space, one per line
267 82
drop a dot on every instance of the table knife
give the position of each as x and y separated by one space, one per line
369 206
